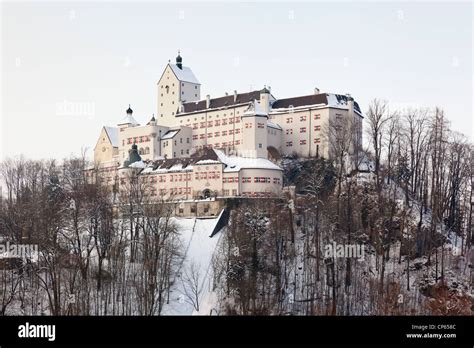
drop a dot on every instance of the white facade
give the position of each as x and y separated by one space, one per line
245 125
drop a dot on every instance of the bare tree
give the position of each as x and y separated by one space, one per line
192 284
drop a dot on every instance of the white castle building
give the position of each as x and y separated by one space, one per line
219 146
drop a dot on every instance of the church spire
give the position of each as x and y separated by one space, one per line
179 61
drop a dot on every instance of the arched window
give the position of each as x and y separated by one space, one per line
147 150
167 89
140 151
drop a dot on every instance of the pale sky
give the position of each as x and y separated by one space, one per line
101 56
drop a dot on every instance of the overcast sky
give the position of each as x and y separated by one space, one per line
70 68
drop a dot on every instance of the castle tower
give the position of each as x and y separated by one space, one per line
177 85
254 132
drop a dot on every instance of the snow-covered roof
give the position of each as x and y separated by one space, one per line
128 119
112 133
321 100
235 164
273 125
185 74
208 161
170 134
138 164
255 109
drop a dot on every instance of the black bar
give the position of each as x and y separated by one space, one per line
286 330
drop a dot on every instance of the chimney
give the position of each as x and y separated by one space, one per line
208 101
235 96
316 90
350 103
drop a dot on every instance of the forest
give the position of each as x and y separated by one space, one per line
407 202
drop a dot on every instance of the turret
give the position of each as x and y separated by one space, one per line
265 99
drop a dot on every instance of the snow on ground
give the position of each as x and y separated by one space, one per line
198 248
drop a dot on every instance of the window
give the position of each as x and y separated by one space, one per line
180 140
209 135
247 179
303 130
195 136
187 140
289 120
259 145
289 131
289 143
317 128
216 134
261 179
237 131
303 118
302 142
234 192
276 180
317 116
317 140
175 143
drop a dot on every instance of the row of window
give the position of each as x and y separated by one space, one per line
172 191
230 180
182 84
224 122
303 118
257 194
302 129
140 139
215 123
303 142
226 192
207 175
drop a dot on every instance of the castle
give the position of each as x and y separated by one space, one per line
221 147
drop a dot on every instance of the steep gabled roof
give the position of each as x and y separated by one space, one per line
185 74
128 119
112 133
170 134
